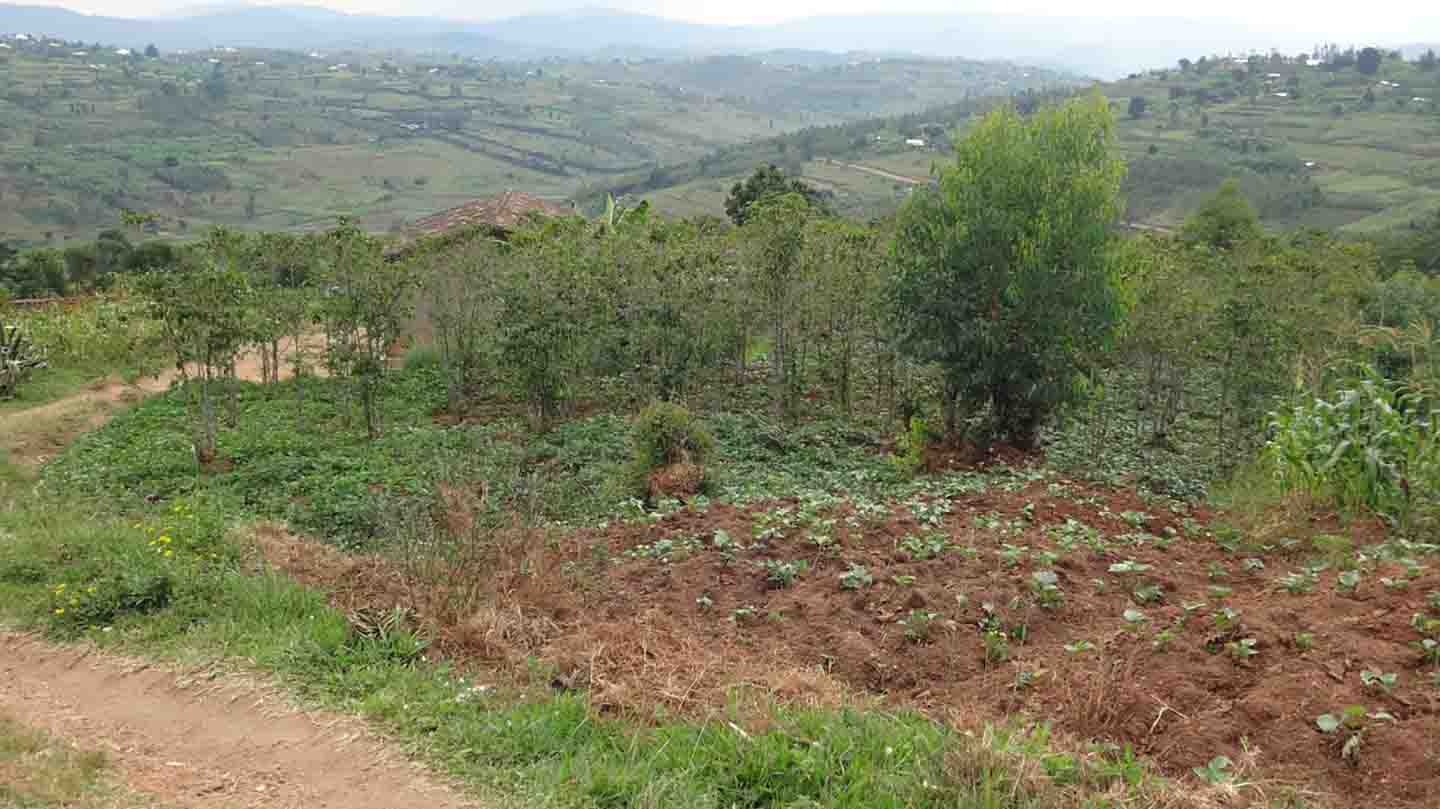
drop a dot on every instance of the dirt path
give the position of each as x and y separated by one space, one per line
889 175
32 436
200 739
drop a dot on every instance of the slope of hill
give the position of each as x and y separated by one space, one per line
1325 146
279 139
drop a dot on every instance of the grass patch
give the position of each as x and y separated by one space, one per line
39 772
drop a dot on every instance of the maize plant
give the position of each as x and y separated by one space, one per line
19 357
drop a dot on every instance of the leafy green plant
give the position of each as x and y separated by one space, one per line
1349 580
1216 772
1129 566
1241 650
19 359
856 578
1304 641
1374 678
1079 646
1372 445
1148 594
997 646
781 574
919 625
1349 726
1429 651
666 437
1046 586
924 547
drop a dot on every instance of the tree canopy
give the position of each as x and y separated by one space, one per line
768 181
1003 273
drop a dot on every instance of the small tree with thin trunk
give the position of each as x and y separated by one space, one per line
203 311
365 303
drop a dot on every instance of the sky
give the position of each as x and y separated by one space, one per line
1392 19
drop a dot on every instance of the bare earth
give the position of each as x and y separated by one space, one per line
199 739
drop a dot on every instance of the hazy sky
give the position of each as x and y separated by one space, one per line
1402 19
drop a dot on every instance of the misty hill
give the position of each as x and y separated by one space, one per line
1099 46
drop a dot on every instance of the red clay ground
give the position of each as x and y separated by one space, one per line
642 632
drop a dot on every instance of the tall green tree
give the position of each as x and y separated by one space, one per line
1004 272
768 181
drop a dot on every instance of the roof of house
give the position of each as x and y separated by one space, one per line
504 211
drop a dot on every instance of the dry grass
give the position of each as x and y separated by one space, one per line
38 771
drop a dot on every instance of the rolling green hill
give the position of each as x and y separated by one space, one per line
272 139
1325 146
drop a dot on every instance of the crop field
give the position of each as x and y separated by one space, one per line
265 139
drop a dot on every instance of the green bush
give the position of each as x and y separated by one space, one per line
665 435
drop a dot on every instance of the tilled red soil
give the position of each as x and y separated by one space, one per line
685 630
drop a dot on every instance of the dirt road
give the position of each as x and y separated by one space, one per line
201 739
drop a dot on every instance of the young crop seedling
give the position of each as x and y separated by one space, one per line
1218 592
1241 650
925 547
1297 583
1079 646
902 580
1148 594
997 647
1304 641
919 625
1128 566
1253 564
704 602
856 578
1429 651
780 574
1134 619
1023 680
1217 571
1383 681
1046 586
1349 581
1012 555
1163 639
1226 619
1397 585
1349 726
1217 772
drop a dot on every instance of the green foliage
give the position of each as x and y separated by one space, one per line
1366 447
768 181
19 359
1225 221
1004 276
665 434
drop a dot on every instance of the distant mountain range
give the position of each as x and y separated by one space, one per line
1104 47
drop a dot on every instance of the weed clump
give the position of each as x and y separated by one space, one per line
668 450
